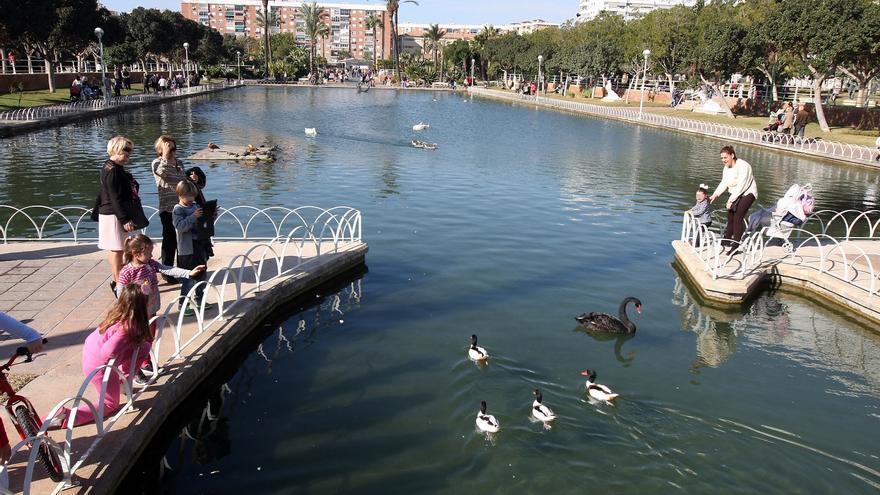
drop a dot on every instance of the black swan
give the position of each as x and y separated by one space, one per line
601 322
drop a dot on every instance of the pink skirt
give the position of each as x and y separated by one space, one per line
111 235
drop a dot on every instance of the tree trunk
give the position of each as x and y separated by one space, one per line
3 57
671 85
30 62
266 37
50 71
818 79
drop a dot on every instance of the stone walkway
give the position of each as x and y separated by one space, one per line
64 289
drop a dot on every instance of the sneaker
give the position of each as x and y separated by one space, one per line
189 312
140 379
148 369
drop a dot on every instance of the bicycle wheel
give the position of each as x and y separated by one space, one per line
47 456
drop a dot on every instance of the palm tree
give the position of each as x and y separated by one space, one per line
372 23
434 34
481 41
393 7
313 17
266 19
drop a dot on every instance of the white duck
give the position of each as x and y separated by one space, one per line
486 422
596 390
421 126
540 411
311 131
476 352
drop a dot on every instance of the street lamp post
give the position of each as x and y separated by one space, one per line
100 34
186 52
472 71
238 54
644 76
540 79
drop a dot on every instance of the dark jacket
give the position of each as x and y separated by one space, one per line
118 192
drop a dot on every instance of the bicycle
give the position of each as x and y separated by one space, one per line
25 418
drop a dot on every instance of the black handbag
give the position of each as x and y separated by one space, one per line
138 217
94 215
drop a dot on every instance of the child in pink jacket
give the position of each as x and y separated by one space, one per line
125 329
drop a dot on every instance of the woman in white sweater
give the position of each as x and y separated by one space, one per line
738 180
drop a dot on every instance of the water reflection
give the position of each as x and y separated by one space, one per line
619 340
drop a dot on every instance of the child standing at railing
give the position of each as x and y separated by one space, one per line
125 328
141 269
702 211
191 252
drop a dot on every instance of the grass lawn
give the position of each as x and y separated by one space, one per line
44 97
841 134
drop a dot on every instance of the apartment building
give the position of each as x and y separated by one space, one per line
347 22
590 9
412 34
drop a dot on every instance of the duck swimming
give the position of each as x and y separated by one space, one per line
539 410
598 391
486 422
475 352
311 131
601 322
421 126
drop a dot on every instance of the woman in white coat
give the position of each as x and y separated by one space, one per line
737 179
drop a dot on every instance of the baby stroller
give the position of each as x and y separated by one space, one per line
791 211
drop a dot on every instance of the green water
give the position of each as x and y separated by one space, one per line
521 220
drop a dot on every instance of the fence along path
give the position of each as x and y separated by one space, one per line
833 150
311 239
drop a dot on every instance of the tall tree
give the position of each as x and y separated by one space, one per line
481 45
823 35
671 39
267 19
313 19
393 8
862 63
372 22
266 47
433 36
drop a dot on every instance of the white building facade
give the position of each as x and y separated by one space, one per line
628 9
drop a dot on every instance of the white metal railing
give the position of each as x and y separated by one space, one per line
828 149
72 223
833 236
300 234
49 111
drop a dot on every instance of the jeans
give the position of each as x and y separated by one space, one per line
169 238
735 224
799 130
189 262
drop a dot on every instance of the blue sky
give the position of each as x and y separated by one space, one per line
442 11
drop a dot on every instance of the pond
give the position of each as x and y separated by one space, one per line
519 221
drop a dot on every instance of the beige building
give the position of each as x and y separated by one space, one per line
412 34
590 9
347 22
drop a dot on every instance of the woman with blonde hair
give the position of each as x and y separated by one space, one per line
119 205
168 171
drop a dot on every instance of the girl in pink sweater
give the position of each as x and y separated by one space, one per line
125 329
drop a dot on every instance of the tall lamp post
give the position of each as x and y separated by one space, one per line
540 79
472 71
186 52
100 34
646 53
238 54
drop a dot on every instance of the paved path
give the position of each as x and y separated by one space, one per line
843 276
64 289
829 150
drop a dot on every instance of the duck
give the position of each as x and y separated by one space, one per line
539 410
250 148
212 146
476 352
486 422
311 131
601 322
596 390
421 126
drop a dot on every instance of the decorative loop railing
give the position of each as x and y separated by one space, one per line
301 234
50 111
73 223
832 238
820 147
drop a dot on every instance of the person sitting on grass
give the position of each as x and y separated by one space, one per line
125 328
191 252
